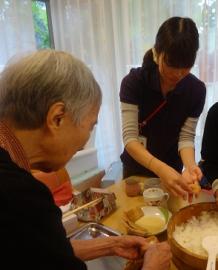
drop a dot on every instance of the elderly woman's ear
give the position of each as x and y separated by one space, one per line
56 115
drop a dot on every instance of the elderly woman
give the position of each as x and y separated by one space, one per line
49 103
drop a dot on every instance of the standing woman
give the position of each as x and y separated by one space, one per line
161 103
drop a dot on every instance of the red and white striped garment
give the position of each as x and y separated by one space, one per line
12 145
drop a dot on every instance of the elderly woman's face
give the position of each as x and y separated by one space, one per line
85 127
69 138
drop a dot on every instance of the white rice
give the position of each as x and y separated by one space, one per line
190 234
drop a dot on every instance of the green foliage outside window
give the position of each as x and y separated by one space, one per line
40 20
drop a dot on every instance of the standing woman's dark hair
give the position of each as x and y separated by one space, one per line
178 40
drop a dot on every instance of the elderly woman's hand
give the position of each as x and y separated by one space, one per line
157 257
130 247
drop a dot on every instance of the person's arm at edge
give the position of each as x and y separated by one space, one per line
130 247
92 249
186 148
124 246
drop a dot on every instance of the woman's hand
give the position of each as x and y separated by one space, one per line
174 182
157 257
193 173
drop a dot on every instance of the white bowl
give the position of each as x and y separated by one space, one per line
157 212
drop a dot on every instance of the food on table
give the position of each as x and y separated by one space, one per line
195 187
146 220
129 219
190 234
134 214
152 224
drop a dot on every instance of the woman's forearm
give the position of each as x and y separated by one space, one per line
123 246
144 157
172 180
94 248
139 153
188 157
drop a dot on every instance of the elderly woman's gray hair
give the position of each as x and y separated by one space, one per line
29 86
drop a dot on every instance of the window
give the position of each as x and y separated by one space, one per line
42 24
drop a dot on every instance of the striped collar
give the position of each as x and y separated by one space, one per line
12 145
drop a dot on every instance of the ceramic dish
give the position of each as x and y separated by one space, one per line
158 217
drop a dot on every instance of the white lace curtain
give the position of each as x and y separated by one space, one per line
16 29
86 29
111 36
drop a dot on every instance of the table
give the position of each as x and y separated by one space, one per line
125 203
